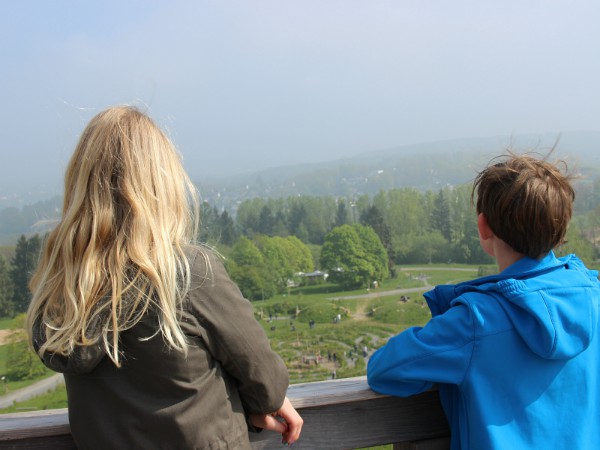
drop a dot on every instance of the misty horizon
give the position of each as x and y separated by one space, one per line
243 86
579 148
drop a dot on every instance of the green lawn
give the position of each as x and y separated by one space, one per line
12 323
308 352
52 400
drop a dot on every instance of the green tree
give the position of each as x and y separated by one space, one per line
359 205
578 244
469 250
23 264
440 216
374 218
276 266
6 290
297 253
404 213
297 219
320 216
266 221
282 258
428 248
227 229
341 215
280 227
462 213
208 224
246 268
374 251
351 254
247 216
216 228
22 363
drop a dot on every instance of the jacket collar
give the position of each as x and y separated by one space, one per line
441 296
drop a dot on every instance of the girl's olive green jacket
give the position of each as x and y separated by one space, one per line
160 399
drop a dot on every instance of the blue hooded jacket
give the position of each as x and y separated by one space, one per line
516 357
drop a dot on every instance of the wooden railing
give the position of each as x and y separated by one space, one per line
338 414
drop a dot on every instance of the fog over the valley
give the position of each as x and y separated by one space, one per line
241 86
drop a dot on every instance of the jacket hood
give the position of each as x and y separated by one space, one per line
83 359
552 303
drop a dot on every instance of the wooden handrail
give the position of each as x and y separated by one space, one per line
338 414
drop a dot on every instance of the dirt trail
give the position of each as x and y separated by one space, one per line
5 336
375 293
360 313
33 390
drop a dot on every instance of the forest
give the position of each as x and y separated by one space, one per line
276 247
271 244
354 221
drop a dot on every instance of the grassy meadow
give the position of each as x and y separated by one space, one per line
303 326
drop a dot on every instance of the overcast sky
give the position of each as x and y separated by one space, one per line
243 85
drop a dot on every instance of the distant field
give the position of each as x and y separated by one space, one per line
10 324
368 318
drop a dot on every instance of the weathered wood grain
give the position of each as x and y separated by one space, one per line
338 414
430 444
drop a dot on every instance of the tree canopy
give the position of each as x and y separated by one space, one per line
23 264
354 256
261 267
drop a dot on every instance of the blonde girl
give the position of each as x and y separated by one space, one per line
158 346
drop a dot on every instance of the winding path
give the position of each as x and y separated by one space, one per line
33 390
50 383
382 293
426 285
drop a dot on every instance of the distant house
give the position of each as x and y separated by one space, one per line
317 274
300 278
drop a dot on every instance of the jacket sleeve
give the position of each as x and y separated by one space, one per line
439 352
234 337
440 298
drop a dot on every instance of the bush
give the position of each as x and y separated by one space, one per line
22 363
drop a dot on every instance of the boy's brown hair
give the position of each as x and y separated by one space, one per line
527 202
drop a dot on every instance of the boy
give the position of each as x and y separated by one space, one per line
516 355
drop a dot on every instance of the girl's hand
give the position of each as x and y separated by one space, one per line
285 420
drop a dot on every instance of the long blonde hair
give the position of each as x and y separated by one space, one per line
129 209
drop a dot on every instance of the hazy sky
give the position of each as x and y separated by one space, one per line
242 85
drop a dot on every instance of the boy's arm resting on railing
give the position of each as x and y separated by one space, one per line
337 414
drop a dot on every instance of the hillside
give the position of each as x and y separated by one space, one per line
425 166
